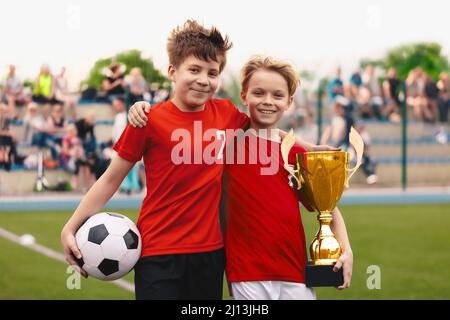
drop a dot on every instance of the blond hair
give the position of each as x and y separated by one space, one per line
284 68
194 39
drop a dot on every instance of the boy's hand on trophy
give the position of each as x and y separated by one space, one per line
136 114
324 147
345 261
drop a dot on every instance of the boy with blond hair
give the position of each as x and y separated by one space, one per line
264 240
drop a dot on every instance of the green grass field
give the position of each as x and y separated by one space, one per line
410 244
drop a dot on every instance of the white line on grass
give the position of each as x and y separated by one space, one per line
56 255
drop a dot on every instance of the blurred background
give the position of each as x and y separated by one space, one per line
69 71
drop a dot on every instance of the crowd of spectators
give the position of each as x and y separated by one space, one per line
47 113
372 98
50 122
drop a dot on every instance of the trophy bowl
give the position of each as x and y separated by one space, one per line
324 176
321 178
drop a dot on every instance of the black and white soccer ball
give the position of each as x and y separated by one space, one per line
110 245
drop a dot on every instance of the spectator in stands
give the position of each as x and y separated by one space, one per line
7 141
62 93
355 79
415 91
337 134
443 86
136 87
431 95
354 85
28 120
74 159
305 126
85 128
105 156
58 119
13 92
43 132
61 84
153 88
131 181
58 123
120 119
113 84
391 89
370 97
44 87
301 103
162 94
368 166
335 86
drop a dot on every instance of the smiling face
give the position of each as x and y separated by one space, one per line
195 82
267 97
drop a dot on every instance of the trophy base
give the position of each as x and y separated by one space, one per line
323 276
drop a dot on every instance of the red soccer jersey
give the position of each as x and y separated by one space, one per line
264 239
180 211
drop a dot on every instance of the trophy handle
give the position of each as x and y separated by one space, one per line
286 146
358 144
294 175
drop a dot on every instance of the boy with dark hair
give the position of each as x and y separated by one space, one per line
182 255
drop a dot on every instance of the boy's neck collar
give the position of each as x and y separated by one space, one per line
180 105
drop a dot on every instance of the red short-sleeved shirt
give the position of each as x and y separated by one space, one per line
264 238
180 211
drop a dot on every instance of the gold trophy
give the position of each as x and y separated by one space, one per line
321 177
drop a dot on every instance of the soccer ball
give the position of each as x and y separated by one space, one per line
110 245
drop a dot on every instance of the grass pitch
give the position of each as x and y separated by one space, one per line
409 244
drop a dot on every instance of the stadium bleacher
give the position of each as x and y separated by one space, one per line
428 161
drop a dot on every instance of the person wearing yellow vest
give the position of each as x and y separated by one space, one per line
44 87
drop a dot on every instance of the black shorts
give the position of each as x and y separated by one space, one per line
191 276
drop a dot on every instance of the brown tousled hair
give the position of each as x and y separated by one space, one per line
194 39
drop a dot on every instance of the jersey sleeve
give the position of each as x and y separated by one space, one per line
133 143
238 119
293 161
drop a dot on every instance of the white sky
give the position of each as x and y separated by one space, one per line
315 35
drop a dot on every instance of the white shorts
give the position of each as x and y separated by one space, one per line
271 290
